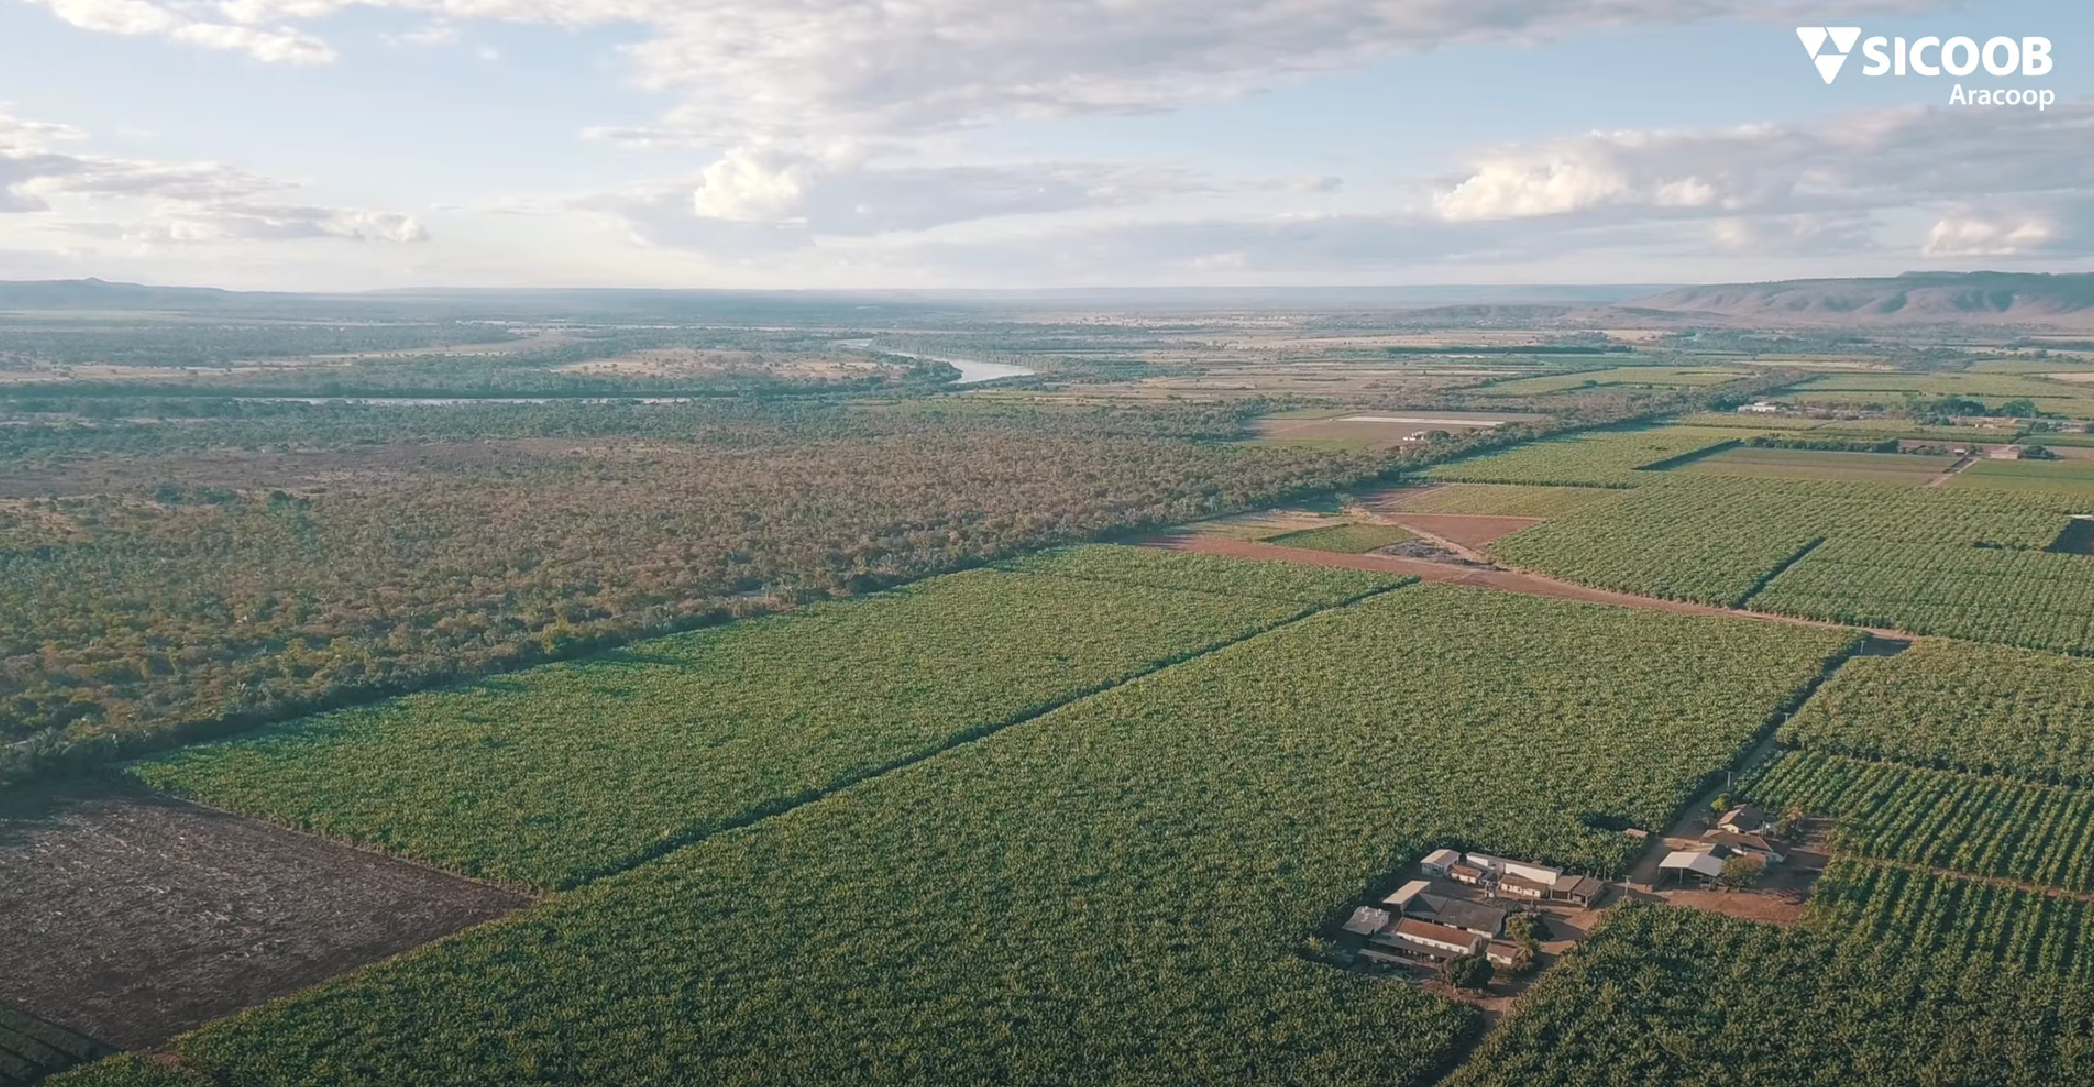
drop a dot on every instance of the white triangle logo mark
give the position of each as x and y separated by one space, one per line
1829 65
1813 38
1844 37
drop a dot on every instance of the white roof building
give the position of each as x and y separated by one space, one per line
1701 864
1441 859
1401 899
1366 921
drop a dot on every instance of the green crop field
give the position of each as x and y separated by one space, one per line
2014 597
1505 500
1716 539
1957 919
1982 826
1682 998
1114 892
548 777
1964 563
1598 458
1349 539
1632 376
2032 475
1959 706
1772 461
1987 385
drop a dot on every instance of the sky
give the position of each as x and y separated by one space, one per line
361 144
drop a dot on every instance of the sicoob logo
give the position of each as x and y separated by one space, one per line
1842 38
1830 46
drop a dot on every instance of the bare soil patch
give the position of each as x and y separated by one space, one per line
1466 529
131 917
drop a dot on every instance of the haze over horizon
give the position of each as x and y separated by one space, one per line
370 144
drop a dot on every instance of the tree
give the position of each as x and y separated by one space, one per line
1471 971
1742 870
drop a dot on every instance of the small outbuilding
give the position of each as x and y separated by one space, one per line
1439 862
1692 866
1400 899
1581 890
1366 921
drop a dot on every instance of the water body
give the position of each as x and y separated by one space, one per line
970 370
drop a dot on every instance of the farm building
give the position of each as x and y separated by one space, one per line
1401 898
1745 843
1366 921
1743 819
1499 867
1469 874
1689 866
1582 890
1762 407
1502 952
1485 921
1427 940
1439 862
1516 886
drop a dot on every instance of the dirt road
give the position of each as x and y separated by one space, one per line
1482 577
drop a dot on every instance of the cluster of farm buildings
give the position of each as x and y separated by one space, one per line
1427 920
1739 832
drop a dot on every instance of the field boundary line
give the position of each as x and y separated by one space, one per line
1780 568
2045 889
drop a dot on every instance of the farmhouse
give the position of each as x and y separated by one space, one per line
1516 886
1743 819
1762 407
1439 862
1469 874
1503 952
1485 921
1690 866
1744 843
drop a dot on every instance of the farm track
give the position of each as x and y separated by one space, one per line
1482 577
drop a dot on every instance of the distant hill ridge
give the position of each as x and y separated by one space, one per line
2017 298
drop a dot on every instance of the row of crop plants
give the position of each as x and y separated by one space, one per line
1665 997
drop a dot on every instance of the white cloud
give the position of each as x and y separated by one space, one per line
136 18
1795 188
2027 228
180 202
815 69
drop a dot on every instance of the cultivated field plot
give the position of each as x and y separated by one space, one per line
131 918
1982 826
1928 560
1597 458
1986 386
2028 598
548 777
1984 709
1493 500
1631 376
1345 539
1115 892
2031 475
1665 997
1746 460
